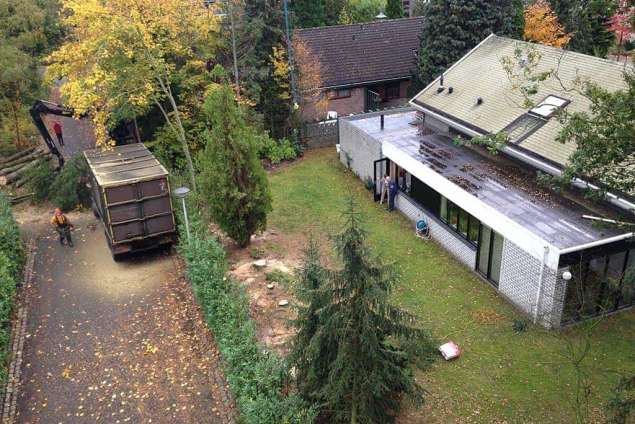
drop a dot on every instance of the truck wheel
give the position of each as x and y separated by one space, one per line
117 257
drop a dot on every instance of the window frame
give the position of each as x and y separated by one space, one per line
335 94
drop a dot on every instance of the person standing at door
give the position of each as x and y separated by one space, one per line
57 129
392 193
384 188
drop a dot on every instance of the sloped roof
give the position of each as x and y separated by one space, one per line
481 74
359 53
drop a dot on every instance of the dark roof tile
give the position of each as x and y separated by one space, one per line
358 53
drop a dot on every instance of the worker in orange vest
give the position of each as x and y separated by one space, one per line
63 227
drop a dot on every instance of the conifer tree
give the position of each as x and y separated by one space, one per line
232 179
311 279
394 9
309 13
354 365
452 27
588 22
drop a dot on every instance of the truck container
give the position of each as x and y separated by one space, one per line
131 196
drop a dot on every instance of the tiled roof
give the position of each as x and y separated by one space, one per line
358 53
481 74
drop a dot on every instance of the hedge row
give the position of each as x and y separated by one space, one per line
11 261
259 380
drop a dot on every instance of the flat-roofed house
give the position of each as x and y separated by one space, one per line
363 67
532 245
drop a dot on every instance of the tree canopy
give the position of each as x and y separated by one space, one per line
309 13
233 181
394 9
588 22
542 26
452 27
122 58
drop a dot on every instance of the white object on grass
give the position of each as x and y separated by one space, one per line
450 350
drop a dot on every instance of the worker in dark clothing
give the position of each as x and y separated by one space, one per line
392 193
57 129
63 227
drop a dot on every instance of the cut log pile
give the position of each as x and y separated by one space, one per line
14 169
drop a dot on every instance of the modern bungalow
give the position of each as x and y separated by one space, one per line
363 67
531 244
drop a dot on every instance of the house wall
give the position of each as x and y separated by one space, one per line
343 107
351 105
358 150
460 249
520 280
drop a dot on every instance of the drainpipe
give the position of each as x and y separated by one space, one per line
540 283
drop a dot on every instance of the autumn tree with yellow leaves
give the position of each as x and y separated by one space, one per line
123 57
542 26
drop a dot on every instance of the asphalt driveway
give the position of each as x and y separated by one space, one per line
115 342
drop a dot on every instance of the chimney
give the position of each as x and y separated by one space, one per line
441 87
381 121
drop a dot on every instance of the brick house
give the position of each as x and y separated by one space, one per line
362 66
535 247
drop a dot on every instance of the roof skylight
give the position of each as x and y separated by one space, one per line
549 106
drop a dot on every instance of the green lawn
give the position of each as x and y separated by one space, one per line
502 376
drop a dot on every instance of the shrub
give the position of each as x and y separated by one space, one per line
258 379
10 242
11 261
278 276
69 187
278 150
519 325
39 180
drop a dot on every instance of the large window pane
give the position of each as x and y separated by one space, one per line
495 261
613 280
453 219
463 217
591 289
627 290
444 209
473 233
483 251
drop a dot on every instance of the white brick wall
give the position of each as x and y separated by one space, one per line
446 238
519 280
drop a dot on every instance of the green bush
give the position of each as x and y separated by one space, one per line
11 261
278 150
10 242
258 379
39 179
69 187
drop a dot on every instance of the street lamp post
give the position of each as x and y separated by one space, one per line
182 193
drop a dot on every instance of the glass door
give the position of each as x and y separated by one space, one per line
490 254
380 168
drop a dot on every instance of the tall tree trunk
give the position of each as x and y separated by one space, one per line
179 131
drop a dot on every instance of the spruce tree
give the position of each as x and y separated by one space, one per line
311 279
232 180
354 364
394 9
452 27
309 13
588 23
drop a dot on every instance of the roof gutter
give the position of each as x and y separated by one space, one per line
596 243
611 198
362 83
